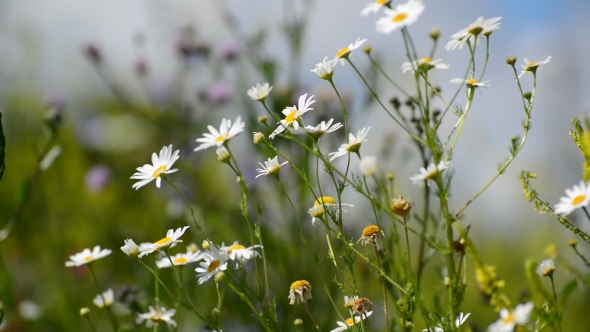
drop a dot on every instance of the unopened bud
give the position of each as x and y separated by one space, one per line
527 95
258 137
367 49
84 311
511 60
223 155
219 276
298 321
434 33
262 118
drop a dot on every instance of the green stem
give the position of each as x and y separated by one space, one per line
311 317
384 291
107 308
185 200
90 322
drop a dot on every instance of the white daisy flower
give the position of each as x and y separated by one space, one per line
171 239
353 145
532 66
349 300
575 198
373 7
130 248
323 204
225 133
461 319
545 268
299 292
160 165
423 65
239 253
429 172
87 256
271 166
403 15
319 130
157 316
433 329
346 325
324 69
368 165
509 319
479 28
182 258
293 114
105 299
472 82
343 53
259 92
213 261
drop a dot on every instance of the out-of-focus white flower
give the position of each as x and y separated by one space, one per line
155 316
471 83
87 256
225 133
532 66
319 130
368 165
344 52
259 92
213 261
239 253
479 28
374 7
160 165
105 299
182 258
430 171
403 15
346 325
29 310
423 65
546 268
509 319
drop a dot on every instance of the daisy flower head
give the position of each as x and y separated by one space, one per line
323 204
171 239
433 329
346 325
300 291
293 114
509 319
429 172
161 164
546 268
225 133
319 130
105 299
130 248
470 83
271 166
214 261
461 319
155 316
479 28
402 16
259 92
349 301
324 69
87 256
373 7
239 253
182 258
574 198
343 53
532 66
370 235
368 165
423 65
353 145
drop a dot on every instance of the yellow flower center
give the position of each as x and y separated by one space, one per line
349 321
578 199
471 81
354 146
382 2
222 138
179 260
159 171
509 319
370 230
532 63
399 17
156 318
324 200
87 258
291 117
163 241
427 59
342 52
300 284
213 266
236 247
317 211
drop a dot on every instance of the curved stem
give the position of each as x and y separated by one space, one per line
185 201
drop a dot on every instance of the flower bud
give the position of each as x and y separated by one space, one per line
258 137
262 118
434 33
400 206
511 60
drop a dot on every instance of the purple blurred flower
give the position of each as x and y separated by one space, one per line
219 93
97 178
229 50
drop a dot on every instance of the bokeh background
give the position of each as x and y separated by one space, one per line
128 77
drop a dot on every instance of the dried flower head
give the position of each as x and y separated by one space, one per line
400 206
370 235
300 291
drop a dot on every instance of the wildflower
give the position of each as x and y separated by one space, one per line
577 197
362 306
433 329
346 325
479 28
105 299
324 69
293 114
157 316
130 248
429 172
471 83
349 301
182 258
373 7
214 261
271 166
400 206
461 319
239 253
259 92
343 53
87 256
300 291
323 204
368 165
353 145
319 130
192 248
171 239
423 65
370 235
509 319
532 66
298 321
223 154
225 133
257 138
161 165
402 16
84 311
546 268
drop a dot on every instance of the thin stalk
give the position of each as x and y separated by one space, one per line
344 112
397 86
107 308
383 288
311 317
90 322
408 244
185 200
